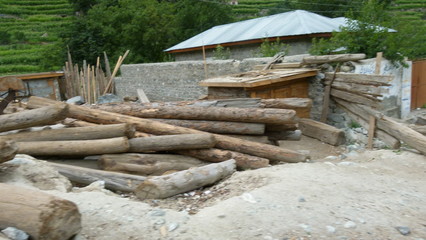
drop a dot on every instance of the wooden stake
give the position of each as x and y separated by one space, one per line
117 67
379 57
371 128
205 63
326 101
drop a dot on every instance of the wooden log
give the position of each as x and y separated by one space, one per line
359 88
8 150
146 164
218 126
74 148
41 215
172 184
272 153
265 115
361 117
356 98
244 161
363 79
287 103
420 129
171 142
35 117
322 131
283 65
253 138
78 133
113 180
332 58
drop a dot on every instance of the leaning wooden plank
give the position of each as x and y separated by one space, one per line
356 98
333 58
113 180
218 126
359 88
256 115
364 79
77 133
360 117
36 117
74 148
244 161
322 131
147 164
41 215
270 152
172 142
407 135
8 150
172 184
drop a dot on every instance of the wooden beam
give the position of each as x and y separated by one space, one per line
333 58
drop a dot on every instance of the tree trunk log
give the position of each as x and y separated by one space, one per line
218 126
113 180
74 148
35 117
146 164
273 153
420 129
78 133
356 98
8 150
322 131
259 139
254 115
41 215
363 79
171 142
172 184
244 161
332 58
361 117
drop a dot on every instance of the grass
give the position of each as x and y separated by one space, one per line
32 25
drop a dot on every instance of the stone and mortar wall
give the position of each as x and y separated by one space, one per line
176 81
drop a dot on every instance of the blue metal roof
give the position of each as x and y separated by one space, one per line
298 22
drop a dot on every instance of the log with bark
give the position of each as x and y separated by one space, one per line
41 215
361 117
333 58
75 147
113 180
77 133
273 153
171 142
147 164
214 155
8 150
160 187
253 138
322 131
421 129
218 126
35 117
254 115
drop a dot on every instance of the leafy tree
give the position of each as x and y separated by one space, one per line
221 52
270 49
367 33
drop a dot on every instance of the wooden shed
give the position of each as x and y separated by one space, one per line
275 83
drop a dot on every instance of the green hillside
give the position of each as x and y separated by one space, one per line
253 8
410 10
27 28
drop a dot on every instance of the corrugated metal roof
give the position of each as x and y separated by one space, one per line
298 22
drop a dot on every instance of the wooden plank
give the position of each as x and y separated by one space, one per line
283 65
379 57
142 96
371 128
359 88
322 131
351 97
326 101
365 79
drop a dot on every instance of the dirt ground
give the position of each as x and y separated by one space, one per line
379 194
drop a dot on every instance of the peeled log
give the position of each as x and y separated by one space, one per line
74 148
41 215
243 161
78 133
333 58
218 126
171 142
36 117
273 153
172 184
254 115
322 131
113 180
8 150
146 164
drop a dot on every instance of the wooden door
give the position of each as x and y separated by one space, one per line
418 84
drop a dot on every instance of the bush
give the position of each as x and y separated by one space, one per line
5 37
270 49
221 52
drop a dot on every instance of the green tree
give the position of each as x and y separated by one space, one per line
270 49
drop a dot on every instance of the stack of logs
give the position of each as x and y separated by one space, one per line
131 150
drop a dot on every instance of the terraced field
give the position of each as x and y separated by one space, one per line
253 8
410 10
27 28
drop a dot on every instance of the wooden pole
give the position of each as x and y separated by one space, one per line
326 102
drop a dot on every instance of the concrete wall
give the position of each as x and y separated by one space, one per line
174 81
245 51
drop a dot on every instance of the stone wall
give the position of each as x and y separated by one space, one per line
175 81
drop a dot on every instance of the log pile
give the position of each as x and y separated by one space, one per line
148 148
